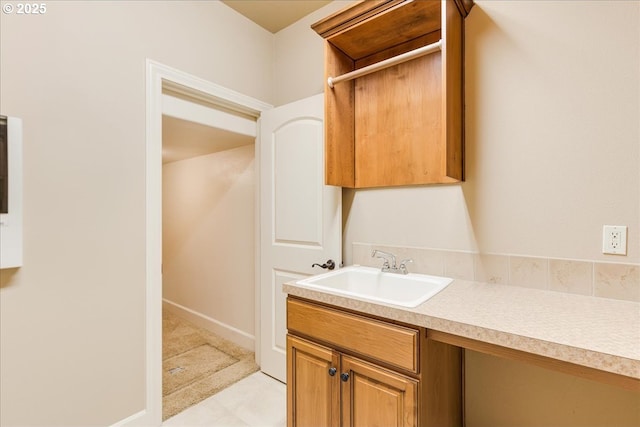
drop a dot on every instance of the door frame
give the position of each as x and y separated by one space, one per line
159 76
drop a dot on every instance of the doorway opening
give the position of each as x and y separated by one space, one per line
163 82
208 239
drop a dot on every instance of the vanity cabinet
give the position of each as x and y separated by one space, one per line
404 124
347 369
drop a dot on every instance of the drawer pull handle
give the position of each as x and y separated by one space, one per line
344 377
332 371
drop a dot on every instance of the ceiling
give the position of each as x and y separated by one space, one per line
182 139
274 15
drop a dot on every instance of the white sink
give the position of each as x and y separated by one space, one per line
370 284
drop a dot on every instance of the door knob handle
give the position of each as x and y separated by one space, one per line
332 371
330 264
344 376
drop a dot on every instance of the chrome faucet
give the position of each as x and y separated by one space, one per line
389 265
387 257
403 266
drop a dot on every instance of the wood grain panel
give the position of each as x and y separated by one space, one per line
339 121
442 384
416 43
398 124
452 81
312 394
392 344
373 396
395 25
351 15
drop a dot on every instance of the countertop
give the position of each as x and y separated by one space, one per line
595 332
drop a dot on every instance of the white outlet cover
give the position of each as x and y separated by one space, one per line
614 239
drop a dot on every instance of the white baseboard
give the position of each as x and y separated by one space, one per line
228 332
138 419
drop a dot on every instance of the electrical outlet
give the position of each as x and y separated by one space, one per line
614 239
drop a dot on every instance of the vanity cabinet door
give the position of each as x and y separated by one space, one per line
374 396
312 384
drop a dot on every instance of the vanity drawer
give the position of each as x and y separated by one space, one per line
386 342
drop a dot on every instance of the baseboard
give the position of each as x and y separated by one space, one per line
137 419
228 332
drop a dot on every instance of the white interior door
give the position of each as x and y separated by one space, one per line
300 217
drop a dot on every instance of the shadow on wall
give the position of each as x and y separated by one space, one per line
482 27
198 186
7 276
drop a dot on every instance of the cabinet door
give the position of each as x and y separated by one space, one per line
373 396
312 384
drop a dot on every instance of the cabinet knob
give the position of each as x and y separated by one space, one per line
344 376
332 371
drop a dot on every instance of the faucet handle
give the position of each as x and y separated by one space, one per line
403 265
389 259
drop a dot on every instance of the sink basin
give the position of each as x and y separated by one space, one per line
370 284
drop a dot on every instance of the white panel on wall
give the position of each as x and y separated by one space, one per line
11 222
298 187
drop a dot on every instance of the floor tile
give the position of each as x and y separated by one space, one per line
204 415
255 401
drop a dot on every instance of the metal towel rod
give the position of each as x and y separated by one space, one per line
404 57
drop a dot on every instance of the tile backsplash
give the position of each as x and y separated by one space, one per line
600 279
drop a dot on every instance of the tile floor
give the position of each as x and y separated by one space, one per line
255 401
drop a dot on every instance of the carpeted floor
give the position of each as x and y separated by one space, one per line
197 364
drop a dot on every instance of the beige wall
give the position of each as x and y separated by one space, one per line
299 57
552 134
553 142
72 318
552 155
209 237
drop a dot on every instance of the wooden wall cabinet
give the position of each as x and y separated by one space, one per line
346 369
401 125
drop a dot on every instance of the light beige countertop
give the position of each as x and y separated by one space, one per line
594 332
